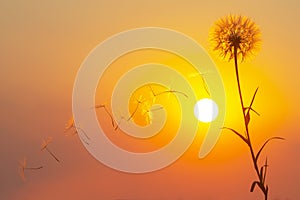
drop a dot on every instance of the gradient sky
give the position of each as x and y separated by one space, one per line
42 47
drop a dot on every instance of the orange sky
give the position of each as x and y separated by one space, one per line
42 47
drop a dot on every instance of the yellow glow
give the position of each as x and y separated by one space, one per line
143 114
268 121
142 100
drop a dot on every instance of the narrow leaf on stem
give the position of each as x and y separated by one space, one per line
238 134
263 146
265 173
253 185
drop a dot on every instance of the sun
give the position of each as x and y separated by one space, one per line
206 110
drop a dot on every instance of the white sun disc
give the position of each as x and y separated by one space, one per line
206 110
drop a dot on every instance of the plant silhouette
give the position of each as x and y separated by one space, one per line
237 37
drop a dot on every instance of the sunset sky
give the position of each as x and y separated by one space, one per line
42 47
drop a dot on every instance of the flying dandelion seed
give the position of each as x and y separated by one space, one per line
143 107
139 101
120 118
70 125
205 86
118 123
107 111
144 104
170 88
235 36
45 147
166 92
23 167
146 112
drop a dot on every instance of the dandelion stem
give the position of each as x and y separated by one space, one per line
261 184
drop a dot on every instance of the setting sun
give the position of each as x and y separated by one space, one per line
206 110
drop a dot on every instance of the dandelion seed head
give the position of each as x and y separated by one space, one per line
235 32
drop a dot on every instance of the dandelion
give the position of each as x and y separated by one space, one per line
237 37
45 147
